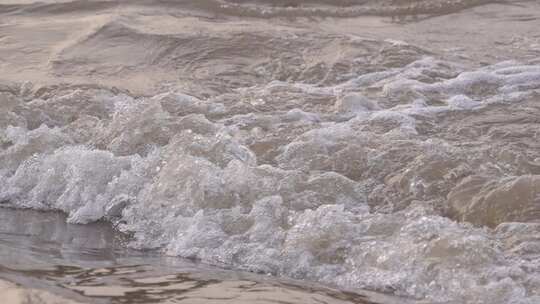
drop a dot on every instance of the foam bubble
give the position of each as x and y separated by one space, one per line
419 180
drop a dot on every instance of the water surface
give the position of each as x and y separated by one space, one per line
389 146
55 262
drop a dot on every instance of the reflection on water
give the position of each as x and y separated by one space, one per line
87 263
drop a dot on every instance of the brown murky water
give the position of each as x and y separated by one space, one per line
389 146
50 261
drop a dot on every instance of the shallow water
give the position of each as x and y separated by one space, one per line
391 146
55 262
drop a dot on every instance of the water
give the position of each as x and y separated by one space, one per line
389 146
90 264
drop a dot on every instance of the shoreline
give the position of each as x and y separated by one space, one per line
46 261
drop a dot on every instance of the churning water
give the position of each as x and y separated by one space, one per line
392 146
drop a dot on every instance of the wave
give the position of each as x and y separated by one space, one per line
420 179
344 8
262 8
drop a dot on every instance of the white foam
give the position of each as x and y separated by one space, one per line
347 186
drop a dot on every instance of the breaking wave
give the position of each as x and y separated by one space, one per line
421 178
